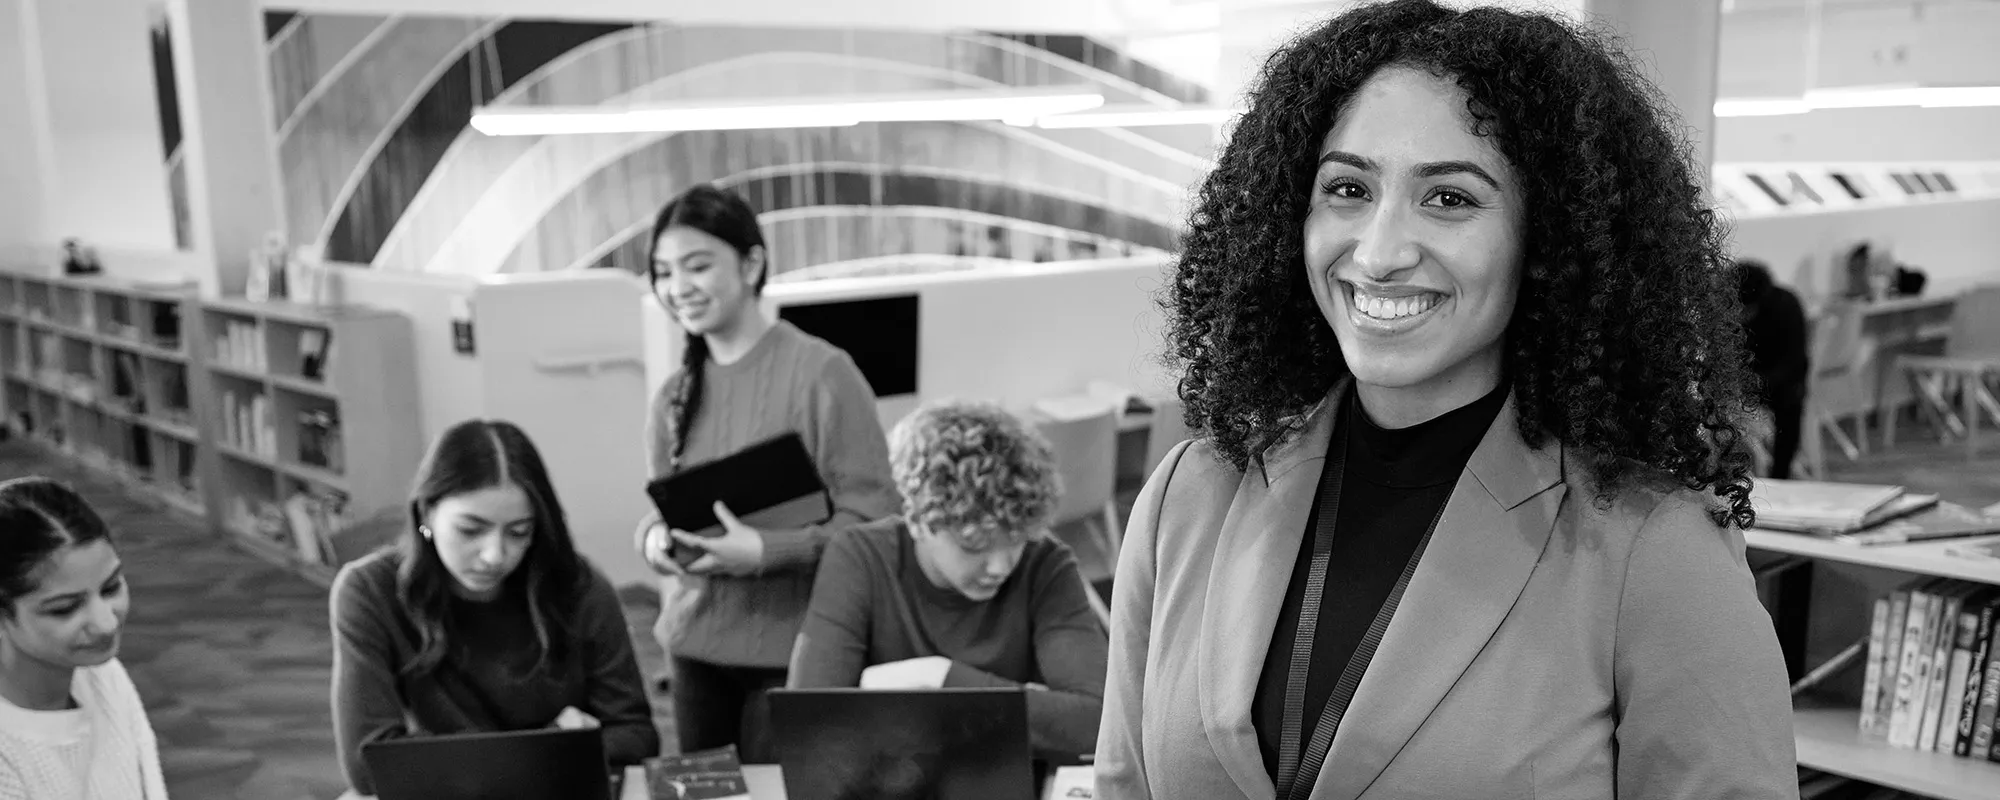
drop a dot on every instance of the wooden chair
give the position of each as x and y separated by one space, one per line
1839 386
1968 369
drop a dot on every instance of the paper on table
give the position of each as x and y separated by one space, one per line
1072 783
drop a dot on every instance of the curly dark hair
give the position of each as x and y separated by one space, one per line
1626 343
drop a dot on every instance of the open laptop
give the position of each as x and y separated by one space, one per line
519 765
937 744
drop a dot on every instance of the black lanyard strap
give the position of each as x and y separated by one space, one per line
1298 771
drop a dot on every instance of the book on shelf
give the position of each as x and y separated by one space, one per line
166 325
1930 682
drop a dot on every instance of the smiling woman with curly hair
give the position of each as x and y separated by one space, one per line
1455 316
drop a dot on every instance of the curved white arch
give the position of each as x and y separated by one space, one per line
474 242
338 206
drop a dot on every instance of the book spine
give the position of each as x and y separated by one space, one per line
1969 699
1959 673
1940 659
1892 659
1989 697
1902 729
1871 683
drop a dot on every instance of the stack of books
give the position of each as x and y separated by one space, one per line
1932 682
1863 514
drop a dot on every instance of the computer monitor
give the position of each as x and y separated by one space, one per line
880 333
520 765
938 744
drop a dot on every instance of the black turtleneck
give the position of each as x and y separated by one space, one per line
1395 481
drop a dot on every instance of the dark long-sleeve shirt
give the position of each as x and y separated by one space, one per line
488 681
790 381
1778 339
874 605
1393 484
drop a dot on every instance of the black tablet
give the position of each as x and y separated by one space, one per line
773 484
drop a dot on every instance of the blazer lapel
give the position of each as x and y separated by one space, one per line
1254 552
1492 534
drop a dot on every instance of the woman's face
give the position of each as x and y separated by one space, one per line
977 574
1413 239
75 614
702 280
482 536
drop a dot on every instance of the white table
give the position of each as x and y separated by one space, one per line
767 782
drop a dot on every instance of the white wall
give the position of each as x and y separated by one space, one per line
91 102
452 389
22 216
1955 244
1011 334
1863 134
1020 15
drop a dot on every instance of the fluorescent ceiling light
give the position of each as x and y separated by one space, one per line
821 111
1138 116
1862 97
1759 107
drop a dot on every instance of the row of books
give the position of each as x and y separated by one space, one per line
240 345
1931 681
1863 514
246 423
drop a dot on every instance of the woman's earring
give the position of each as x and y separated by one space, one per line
425 530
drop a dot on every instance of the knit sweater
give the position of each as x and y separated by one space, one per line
101 750
489 680
789 381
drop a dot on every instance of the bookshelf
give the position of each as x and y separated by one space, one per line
1828 731
1828 740
278 425
314 419
95 369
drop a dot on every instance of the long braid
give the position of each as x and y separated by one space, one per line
687 396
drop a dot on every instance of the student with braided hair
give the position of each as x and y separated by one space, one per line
728 619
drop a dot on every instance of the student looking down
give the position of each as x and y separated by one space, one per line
483 617
966 588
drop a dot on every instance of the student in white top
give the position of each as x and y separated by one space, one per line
71 724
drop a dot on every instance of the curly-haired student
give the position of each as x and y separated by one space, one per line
966 587
1458 326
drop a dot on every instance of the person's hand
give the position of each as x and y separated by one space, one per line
654 548
926 672
738 551
572 719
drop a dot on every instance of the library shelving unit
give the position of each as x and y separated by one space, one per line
1829 732
313 415
98 370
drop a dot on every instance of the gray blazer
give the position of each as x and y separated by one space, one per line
1548 647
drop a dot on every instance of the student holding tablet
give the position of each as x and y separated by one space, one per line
483 618
966 588
729 615
71 723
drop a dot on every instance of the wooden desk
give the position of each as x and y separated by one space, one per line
766 782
